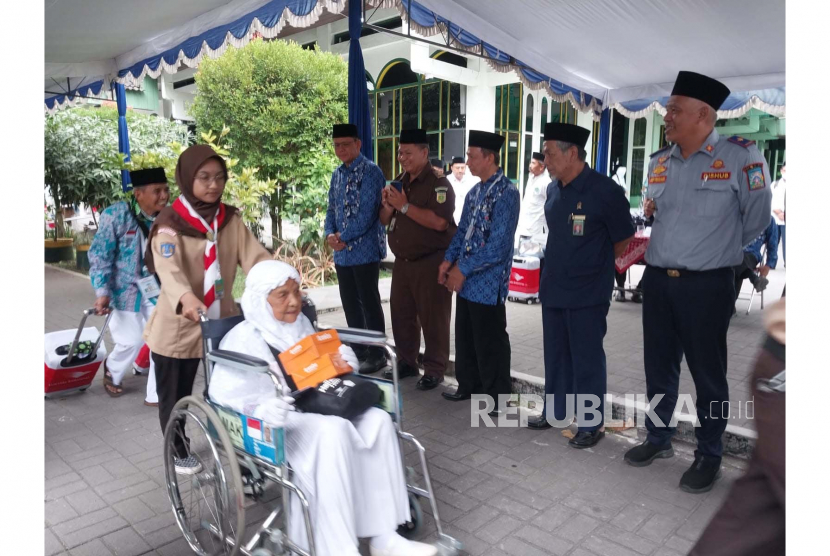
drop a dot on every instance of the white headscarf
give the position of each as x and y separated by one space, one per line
264 277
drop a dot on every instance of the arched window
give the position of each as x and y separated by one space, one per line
395 74
544 113
529 114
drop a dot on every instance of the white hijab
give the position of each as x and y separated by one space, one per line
264 277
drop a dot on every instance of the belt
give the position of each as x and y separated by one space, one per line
678 272
416 259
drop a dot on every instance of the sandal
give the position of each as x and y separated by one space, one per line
111 388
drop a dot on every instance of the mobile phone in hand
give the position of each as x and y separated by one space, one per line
397 185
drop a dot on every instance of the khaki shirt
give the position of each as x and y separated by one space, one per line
182 269
408 239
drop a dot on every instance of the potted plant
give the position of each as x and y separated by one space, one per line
82 242
58 249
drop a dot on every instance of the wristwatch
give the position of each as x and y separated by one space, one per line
405 208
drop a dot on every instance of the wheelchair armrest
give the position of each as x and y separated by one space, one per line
361 336
238 360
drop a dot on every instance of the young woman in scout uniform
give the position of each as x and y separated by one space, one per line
195 247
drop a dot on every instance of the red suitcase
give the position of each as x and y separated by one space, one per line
72 357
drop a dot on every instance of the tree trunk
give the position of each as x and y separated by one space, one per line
276 225
59 227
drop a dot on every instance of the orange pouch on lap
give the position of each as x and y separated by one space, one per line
314 359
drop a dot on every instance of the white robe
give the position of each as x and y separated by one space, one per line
350 471
461 188
532 215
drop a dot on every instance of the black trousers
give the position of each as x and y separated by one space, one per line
574 358
745 270
688 315
361 300
174 381
482 348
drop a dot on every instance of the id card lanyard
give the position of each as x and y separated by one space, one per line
148 285
471 227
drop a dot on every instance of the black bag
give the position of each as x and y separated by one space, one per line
346 396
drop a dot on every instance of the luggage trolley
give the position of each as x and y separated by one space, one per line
71 362
239 453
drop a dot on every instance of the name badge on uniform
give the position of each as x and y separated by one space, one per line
219 288
392 224
149 287
578 225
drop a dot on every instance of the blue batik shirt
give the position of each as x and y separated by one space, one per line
115 258
354 211
483 244
770 237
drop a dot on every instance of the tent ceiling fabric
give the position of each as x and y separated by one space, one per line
627 50
151 36
622 53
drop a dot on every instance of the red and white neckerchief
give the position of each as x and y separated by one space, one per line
212 270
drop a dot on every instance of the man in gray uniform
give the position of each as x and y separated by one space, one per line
710 196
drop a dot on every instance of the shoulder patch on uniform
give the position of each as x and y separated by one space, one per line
168 231
441 194
755 176
738 140
663 150
167 250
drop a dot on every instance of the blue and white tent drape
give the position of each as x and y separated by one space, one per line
427 23
771 101
612 40
210 34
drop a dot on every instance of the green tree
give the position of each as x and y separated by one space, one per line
82 163
280 102
244 189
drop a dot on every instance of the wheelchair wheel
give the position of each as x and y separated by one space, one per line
208 503
416 514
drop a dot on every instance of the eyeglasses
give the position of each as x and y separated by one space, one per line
208 179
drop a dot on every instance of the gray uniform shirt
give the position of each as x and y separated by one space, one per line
709 206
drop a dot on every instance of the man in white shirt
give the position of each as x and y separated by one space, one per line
779 207
532 218
462 182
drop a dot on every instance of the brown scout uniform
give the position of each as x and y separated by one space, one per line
168 333
418 300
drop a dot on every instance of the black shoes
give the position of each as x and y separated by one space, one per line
404 370
538 423
620 296
428 382
456 396
586 439
372 365
702 475
637 297
645 453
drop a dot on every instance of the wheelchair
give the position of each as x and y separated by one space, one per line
215 507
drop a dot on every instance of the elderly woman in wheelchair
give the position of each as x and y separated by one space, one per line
350 471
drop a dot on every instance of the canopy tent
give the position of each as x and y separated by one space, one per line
596 54
626 53
90 43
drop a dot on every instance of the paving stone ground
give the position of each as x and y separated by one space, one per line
500 491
